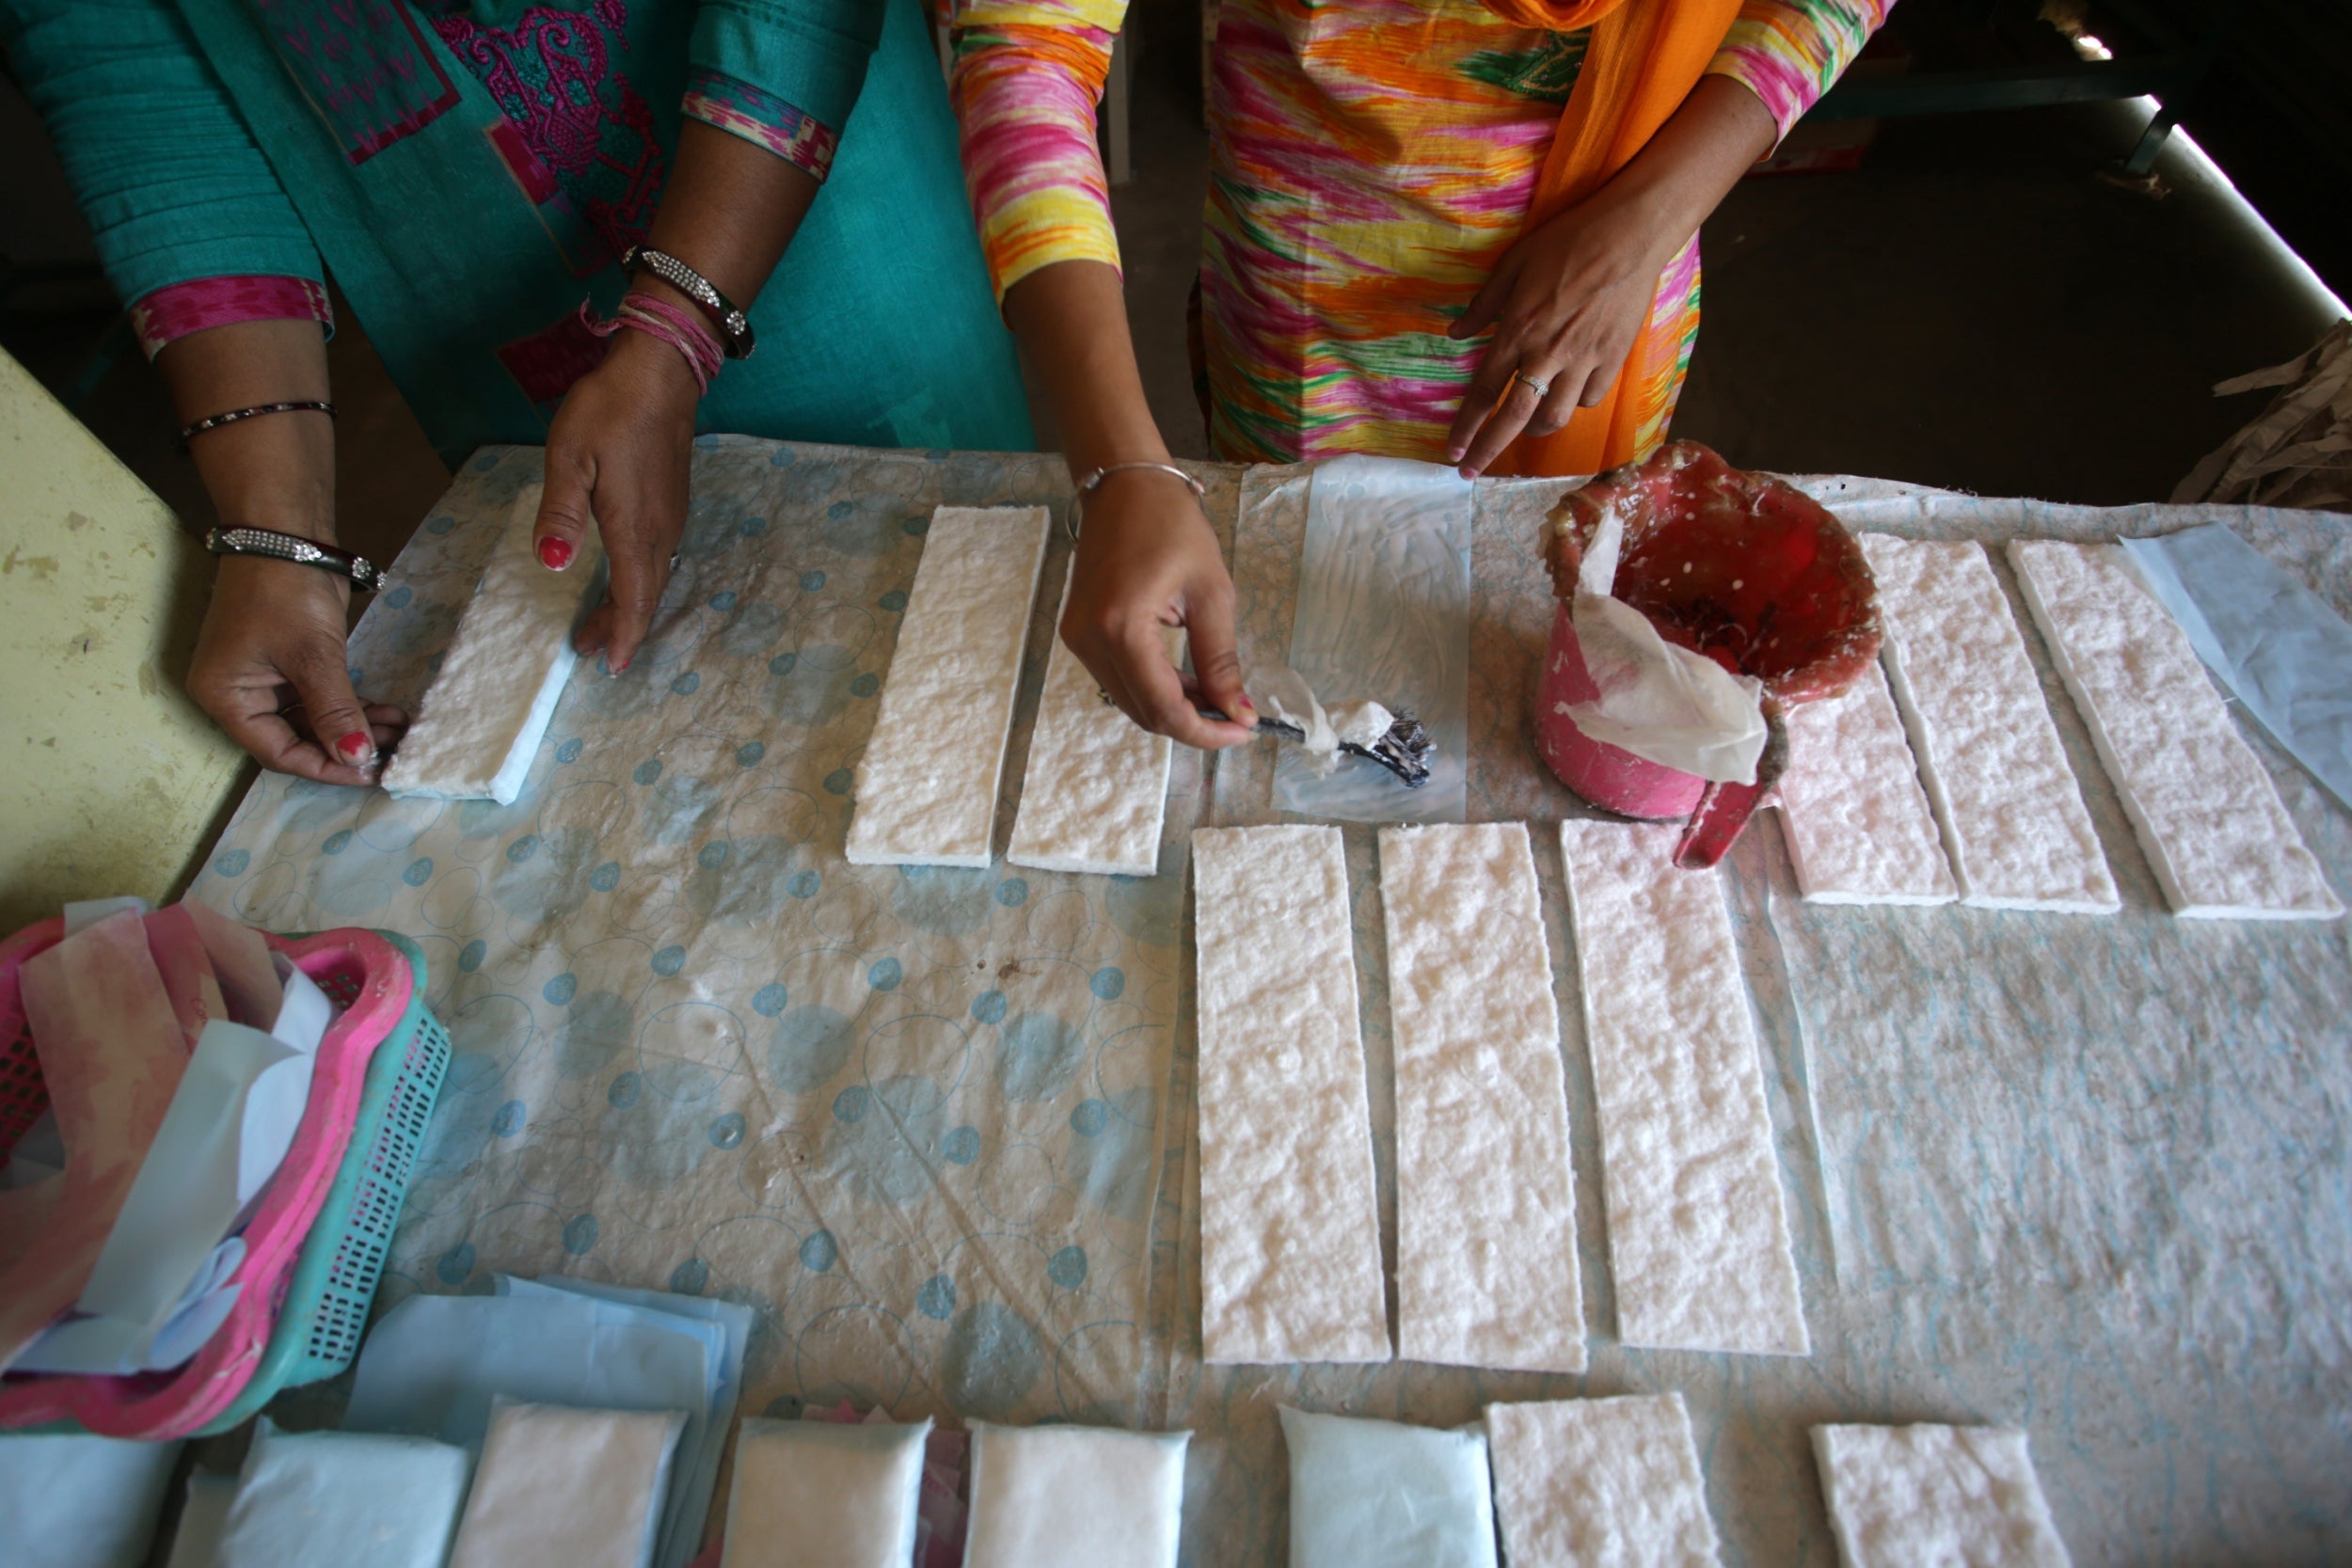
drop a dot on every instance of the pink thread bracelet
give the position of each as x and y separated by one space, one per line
684 331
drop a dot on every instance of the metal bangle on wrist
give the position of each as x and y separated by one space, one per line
735 328
1093 478
270 544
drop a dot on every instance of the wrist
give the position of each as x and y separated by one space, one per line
653 365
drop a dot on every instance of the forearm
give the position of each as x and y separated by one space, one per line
1688 167
276 471
1071 321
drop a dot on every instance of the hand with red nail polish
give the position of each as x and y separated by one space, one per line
555 552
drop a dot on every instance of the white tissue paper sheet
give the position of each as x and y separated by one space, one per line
1384 616
159 1289
204 1519
1071 1497
70 1502
1661 702
564 1488
346 1500
2276 644
1368 1494
695 1475
834 1492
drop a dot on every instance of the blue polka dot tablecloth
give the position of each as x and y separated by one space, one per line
2089 1177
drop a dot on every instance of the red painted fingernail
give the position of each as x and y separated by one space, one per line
355 747
555 552
624 664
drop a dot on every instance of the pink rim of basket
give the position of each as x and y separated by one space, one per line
154 1405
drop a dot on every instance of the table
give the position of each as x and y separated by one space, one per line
2087 1175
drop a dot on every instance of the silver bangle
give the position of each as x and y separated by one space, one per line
1093 482
735 328
364 573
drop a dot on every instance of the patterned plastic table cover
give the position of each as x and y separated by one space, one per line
2087 1175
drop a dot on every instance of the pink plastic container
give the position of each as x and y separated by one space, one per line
373 981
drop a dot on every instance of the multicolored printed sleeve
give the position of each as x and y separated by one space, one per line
782 74
1788 51
763 119
1028 76
191 223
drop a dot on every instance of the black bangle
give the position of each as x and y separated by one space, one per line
217 420
735 328
268 543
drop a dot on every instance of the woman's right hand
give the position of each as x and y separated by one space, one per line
270 668
1148 561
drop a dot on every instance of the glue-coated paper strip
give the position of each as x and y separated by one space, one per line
926 788
1486 1200
1290 1233
1857 820
2210 819
1383 615
1698 1237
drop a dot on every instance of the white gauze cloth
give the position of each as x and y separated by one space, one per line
351 1499
1065 1496
80 1502
563 1488
1370 1494
836 1493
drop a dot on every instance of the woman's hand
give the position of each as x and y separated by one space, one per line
1568 298
269 667
1148 561
618 455
1565 304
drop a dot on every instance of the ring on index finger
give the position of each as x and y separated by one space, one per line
1541 389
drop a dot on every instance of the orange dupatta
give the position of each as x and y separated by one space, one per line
1642 60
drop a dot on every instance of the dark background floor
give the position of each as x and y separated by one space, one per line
1978 307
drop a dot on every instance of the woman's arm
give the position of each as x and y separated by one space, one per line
1028 76
1567 300
269 663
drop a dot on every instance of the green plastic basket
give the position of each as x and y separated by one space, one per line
325 1312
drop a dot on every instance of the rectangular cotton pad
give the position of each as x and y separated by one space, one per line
1290 1231
1964 1495
1698 1239
2209 819
1585 1482
1486 1200
1855 817
563 1488
1070 1496
479 724
2012 812
841 1493
1097 784
926 788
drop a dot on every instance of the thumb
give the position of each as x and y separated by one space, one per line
333 708
1485 306
564 518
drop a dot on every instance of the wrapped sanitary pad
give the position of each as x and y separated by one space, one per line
1380 1494
810 1492
1064 1497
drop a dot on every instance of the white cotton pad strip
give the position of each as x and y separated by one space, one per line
1290 1231
926 787
1068 1496
1964 1495
824 1492
1858 825
346 1499
1585 1482
563 1488
1486 1199
1383 1494
2012 812
479 724
1698 1239
1097 785
2207 815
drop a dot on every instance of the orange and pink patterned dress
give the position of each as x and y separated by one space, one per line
1370 162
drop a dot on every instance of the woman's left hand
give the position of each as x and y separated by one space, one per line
618 456
1565 304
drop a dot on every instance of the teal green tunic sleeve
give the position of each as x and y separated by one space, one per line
166 174
809 54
